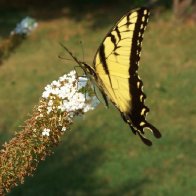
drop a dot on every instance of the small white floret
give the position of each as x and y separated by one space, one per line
46 132
64 129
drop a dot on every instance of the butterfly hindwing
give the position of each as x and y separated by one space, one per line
116 66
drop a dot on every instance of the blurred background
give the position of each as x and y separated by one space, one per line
100 155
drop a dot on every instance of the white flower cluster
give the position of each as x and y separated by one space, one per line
65 95
25 26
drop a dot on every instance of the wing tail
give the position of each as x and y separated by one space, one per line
139 129
153 129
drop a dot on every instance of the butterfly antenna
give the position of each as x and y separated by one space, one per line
71 54
60 57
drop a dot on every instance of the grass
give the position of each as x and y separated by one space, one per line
100 156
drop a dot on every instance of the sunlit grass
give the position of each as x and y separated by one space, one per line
101 156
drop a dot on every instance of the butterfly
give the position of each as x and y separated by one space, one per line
115 71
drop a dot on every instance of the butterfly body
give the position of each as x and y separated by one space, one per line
115 71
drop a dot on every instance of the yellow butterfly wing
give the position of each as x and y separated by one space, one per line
116 68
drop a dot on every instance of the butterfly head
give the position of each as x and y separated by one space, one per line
88 70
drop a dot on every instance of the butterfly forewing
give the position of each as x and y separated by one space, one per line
116 65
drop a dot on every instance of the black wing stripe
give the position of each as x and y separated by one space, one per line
139 110
103 59
118 33
113 39
137 105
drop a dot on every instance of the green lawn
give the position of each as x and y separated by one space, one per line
100 155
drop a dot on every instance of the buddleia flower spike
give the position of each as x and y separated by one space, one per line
61 101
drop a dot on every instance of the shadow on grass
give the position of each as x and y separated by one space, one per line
72 171
78 10
99 11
